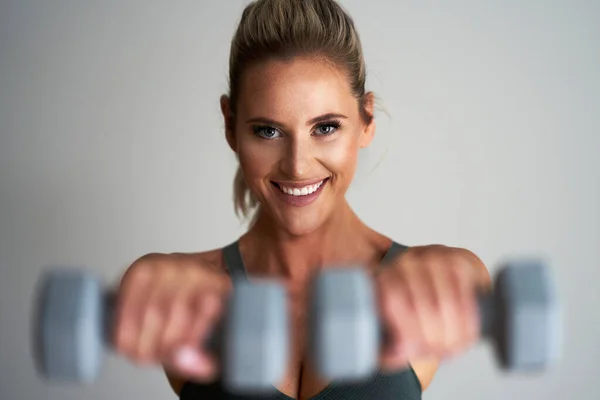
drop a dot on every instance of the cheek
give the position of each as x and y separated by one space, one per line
342 156
256 161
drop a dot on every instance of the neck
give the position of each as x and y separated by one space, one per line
273 251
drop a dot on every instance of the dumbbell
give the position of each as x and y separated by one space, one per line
73 318
521 316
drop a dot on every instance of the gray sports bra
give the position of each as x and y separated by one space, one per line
400 385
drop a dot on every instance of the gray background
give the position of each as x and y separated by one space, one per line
112 146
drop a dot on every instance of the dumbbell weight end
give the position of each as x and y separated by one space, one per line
522 317
69 329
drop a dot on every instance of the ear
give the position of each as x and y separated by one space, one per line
229 119
368 111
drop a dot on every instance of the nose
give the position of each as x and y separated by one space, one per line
297 158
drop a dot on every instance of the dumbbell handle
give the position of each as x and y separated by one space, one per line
108 317
487 315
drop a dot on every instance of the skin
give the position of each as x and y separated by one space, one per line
297 121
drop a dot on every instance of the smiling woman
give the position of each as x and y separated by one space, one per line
318 61
297 116
310 136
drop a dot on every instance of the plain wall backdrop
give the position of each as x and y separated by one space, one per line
112 146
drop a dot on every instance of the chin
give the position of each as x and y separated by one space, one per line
298 223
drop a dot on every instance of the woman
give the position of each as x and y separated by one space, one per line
296 116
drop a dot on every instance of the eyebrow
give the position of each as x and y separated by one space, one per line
320 118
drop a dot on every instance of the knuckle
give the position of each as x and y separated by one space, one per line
455 259
438 248
194 274
155 312
142 269
455 276
180 315
456 267
179 307
208 305
433 259
152 257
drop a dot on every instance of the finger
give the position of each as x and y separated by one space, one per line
131 299
178 323
207 308
153 324
179 326
449 309
467 302
194 358
425 303
401 328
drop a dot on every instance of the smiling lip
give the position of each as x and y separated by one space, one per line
300 194
295 184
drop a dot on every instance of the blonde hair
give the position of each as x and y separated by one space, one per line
284 29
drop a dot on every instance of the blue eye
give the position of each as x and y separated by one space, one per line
270 132
267 132
327 129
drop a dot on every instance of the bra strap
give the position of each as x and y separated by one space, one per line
394 251
233 261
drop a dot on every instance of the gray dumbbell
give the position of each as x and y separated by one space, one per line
73 317
521 316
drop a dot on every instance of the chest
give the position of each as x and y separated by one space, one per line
301 380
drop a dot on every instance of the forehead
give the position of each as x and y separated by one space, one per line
300 86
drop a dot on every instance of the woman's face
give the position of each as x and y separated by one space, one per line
298 130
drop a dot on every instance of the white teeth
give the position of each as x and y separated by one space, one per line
306 190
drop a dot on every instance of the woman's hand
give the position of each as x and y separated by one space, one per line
167 304
427 301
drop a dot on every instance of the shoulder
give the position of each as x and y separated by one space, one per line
212 259
216 259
